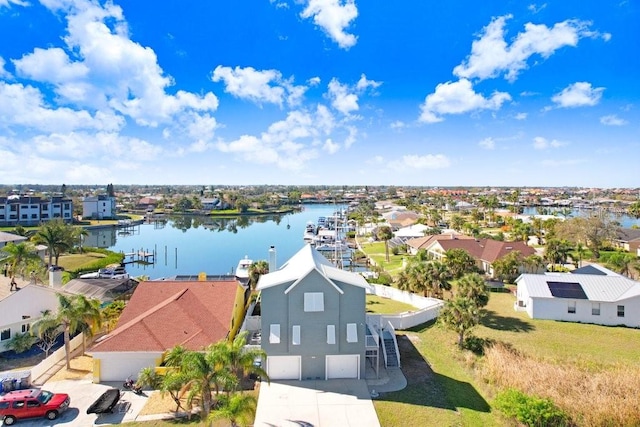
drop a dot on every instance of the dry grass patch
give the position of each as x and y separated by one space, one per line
81 368
592 396
158 403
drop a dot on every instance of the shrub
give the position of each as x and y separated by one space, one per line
530 410
476 344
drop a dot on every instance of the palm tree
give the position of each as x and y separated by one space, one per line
19 255
239 408
239 360
459 262
385 233
76 313
256 270
461 315
56 235
438 277
472 286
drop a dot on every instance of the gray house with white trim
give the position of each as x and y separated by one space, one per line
313 319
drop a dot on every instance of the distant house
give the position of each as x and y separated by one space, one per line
399 219
484 251
163 314
313 319
628 239
99 207
603 298
415 244
147 203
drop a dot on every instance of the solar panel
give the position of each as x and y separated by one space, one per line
570 290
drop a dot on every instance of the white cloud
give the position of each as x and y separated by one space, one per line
457 98
3 73
428 161
491 55
521 116
258 85
612 120
540 143
25 106
487 143
50 65
398 124
535 8
578 94
341 99
314 81
8 3
364 84
333 17
330 146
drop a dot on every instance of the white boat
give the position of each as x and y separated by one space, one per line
242 271
309 232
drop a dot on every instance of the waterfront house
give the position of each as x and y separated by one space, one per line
162 314
484 251
6 238
628 239
313 319
99 207
600 297
32 210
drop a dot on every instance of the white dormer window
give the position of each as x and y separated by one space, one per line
331 334
274 333
352 332
313 301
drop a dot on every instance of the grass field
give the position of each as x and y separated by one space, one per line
380 305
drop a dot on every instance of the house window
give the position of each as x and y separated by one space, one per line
595 309
26 327
352 332
572 307
295 336
274 334
331 334
45 207
313 301
621 311
5 334
34 216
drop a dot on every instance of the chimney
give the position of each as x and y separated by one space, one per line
272 259
55 276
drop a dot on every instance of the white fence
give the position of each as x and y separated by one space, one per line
41 368
428 308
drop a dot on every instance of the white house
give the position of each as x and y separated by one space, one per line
20 309
6 238
99 207
604 299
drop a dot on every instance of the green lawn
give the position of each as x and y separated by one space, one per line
376 252
72 262
453 393
380 305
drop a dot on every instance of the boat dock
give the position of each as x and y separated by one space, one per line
141 256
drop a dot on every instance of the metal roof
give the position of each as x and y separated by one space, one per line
597 288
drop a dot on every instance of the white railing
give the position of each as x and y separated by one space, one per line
427 308
41 368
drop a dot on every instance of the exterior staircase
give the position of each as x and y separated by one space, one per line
390 347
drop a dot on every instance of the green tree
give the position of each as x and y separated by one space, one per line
438 277
384 233
21 342
457 222
239 360
20 255
256 270
472 286
57 236
595 231
47 330
76 313
621 262
459 262
238 408
634 209
460 314
507 268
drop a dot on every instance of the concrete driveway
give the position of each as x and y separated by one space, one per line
342 403
83 393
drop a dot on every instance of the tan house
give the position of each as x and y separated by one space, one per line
484 251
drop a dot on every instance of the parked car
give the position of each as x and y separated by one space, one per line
31 403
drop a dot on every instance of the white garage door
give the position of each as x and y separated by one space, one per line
343 366
283 367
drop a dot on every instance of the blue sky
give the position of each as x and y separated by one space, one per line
403 92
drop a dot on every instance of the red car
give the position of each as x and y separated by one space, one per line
32 403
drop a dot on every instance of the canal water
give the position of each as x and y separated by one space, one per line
188 245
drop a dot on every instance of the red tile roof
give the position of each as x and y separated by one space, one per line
426 241
487 249
163 314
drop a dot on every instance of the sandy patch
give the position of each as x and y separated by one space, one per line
81 368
